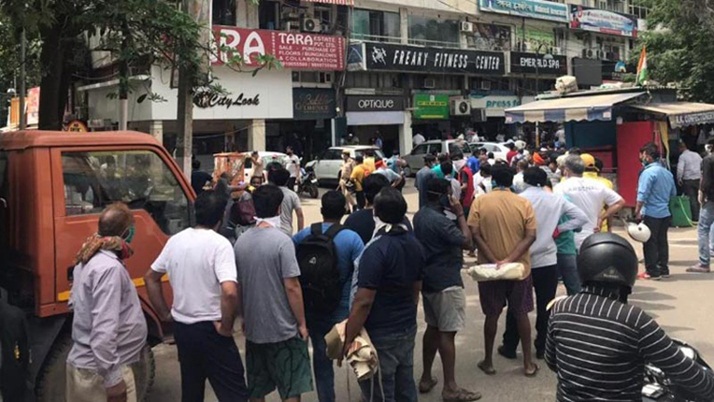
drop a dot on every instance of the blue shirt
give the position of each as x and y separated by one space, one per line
473 163
421 182
391 264
654 189
441 240
349 246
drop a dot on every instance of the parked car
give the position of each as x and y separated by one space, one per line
415 159
327 167
499 150
266 157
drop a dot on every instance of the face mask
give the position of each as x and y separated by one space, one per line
644 162
459 164
708 148
130 235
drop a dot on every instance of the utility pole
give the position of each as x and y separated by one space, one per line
124 78
22 90
199 10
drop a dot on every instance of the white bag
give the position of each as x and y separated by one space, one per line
513 271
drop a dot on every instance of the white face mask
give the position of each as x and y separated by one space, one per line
459 164
273 221
708 148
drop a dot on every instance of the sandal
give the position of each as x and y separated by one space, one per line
425 387
462 395
489 370
533 373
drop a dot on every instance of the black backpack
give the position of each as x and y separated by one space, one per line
14 352
319 275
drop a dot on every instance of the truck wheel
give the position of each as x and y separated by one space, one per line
51 380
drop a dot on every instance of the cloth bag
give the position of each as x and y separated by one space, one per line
362 357
513 271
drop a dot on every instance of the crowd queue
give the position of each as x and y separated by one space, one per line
243 260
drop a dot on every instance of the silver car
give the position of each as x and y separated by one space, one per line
415 159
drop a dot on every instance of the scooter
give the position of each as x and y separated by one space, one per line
659 388
308 183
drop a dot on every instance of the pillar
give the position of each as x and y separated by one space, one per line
156 129
256 135
404 25
405 134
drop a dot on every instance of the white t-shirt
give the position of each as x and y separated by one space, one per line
293 165
197 262
589 195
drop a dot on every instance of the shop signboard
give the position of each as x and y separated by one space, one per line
389 57
355 57
617 70
371 103
431 107
541 64
603 21
313 103
494 105
537 9
294 50
534 38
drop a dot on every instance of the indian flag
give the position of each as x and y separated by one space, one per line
642 72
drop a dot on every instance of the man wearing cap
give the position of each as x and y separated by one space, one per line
592 171
422 178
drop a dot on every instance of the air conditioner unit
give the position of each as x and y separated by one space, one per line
429 83
592 54
311 25
325 78
486 85
460 107
467 26
291 26
599 54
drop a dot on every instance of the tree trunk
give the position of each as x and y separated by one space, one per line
52 99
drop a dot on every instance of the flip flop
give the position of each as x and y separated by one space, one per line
425 387
485 369
533 373
462 395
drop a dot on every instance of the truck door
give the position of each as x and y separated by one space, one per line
145 179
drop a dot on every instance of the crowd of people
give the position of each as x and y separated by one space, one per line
288 284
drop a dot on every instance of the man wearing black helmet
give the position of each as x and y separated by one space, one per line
599 345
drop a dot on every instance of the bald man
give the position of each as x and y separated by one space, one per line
108 329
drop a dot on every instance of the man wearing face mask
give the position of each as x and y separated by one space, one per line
108 328
654 189
466 180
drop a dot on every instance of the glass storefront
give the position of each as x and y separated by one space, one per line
374 25
429 31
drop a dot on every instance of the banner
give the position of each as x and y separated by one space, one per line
294 50
431 107
538 9
603 21
389 57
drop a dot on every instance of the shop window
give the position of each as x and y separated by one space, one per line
224 12
428 31
141 179
269 15
380 26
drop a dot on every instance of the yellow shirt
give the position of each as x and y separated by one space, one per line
369 162
608 184
358 175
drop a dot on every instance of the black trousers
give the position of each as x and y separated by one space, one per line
690 188
205 354
545 283
361 200
657 247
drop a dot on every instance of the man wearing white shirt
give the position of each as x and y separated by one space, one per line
588 195
689 175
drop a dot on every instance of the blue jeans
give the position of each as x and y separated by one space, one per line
396 364
704 228
568 269
323 367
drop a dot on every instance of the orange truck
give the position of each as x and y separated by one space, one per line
53 185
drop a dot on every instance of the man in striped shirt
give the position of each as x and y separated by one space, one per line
598 346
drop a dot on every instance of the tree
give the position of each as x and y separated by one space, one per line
680 45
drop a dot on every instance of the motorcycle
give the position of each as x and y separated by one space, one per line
308 183
659 388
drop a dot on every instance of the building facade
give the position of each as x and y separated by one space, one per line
380 68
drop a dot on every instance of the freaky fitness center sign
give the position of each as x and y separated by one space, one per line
381 56
294 50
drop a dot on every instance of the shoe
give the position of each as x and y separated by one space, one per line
699 268
645 275
665 274
506 353
540 354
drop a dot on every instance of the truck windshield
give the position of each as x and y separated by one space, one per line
93 180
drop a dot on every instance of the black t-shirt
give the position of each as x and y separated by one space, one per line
391 265
362 222
198 180
441 239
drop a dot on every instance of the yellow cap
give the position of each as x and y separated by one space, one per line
588 160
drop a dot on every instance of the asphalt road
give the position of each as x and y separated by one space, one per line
681 304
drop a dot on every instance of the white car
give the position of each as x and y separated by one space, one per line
499 150
266 157
327 167
415 159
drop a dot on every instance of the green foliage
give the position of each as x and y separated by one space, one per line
680 45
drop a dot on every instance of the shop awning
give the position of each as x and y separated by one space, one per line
681 114
338 2
576 108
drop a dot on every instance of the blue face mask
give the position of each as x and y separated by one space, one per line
130 235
